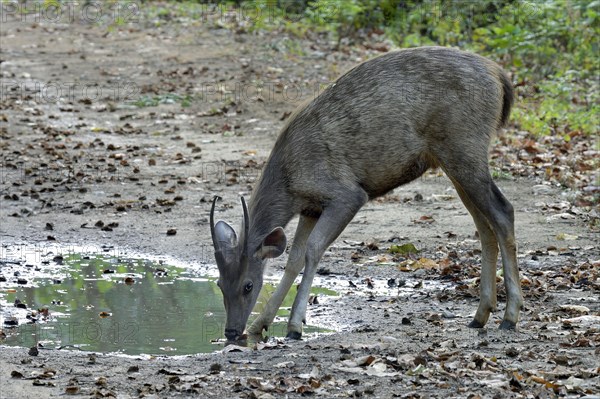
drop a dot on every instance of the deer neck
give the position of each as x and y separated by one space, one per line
270 206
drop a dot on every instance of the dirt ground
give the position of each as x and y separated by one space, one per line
142 124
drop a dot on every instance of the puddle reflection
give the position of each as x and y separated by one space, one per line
108 304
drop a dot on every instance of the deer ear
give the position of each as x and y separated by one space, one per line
225 242
225 236
273 245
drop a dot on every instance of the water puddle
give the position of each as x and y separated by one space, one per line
96 299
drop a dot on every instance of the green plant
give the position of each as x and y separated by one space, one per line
169 98
550 47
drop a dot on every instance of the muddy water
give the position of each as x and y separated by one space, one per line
105 303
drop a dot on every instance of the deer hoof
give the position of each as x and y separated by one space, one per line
507 325
294 335
254 337
257 329
475 324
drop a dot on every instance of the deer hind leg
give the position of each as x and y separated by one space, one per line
487 204
489 257
294 265
333 220
508 247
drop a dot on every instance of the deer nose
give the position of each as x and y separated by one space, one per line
231 334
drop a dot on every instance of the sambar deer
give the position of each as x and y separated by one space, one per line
380 125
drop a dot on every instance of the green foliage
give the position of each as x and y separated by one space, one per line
169 98
404 249
560 106
550 47
500 175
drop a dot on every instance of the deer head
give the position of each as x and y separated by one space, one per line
241 267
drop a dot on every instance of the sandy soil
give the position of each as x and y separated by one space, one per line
129 156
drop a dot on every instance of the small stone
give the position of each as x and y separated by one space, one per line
512 352
16 374
72 390
133 369
19 304
542 189
448 315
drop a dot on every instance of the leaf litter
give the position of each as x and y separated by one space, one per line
417 351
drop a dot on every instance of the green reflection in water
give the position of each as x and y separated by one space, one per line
174 314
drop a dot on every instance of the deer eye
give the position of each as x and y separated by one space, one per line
248 286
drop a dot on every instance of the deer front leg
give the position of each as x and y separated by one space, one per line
333 221
293 267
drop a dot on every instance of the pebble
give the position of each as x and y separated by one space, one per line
542 189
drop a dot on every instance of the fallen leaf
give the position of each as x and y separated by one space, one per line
424 263
235 348
575 309
403 249
361 361
540 380
171 372
584 321
72 390
566 237
425 219
560 216
287 364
